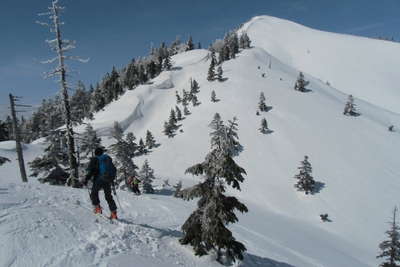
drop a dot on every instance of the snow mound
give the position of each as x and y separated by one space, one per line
366 68
10 146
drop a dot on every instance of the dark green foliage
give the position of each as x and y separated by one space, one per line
264 126
146 175
213 97
178 113
205 229
4 131
390 249
178 188
3 160
167 65
150 141
211 69
190 45
305 182
220 72
89 141
261 104
178 97
244 41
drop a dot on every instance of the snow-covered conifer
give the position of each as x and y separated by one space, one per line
89 141
390 248
194 87
117 131
142 147
261 104
205 229
213 96
178 97
305 182
350 107
190 44
146 175
150 141
264 126
178 188
178 113
244 41
211 69
301 84
195 101
220 72
167 63
168 130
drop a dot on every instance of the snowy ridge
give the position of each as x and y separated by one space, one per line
366 68
355 158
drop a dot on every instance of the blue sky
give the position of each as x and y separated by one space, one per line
113 32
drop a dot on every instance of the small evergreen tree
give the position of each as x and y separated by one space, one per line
167 65
178 97
391 248
190 44
132 147
261 104
350 107
195 101
244 41
178 188
301 83
150 141
142 147
178 113
205 229
305 182
194 87
220 73
168 130
264 126
213 97
89 141
186 111
146 175
211 69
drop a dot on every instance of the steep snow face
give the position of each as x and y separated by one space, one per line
364 67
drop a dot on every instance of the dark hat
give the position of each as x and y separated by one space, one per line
99 151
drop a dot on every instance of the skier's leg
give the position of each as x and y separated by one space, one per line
94 195
109 197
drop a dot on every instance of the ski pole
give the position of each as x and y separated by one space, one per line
119 203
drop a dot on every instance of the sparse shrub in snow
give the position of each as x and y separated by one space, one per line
390 248
391 128
305 182
205 229
301 84
350 107
146 176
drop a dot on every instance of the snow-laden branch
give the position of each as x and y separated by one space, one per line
49 61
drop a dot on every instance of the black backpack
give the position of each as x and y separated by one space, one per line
107 170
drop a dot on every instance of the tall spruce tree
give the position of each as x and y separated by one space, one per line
146 176
205 229
122 151
301 83
211 69
190 44
178 113
261 104
178 97
350 107
167 65
194 87
390 248
305 182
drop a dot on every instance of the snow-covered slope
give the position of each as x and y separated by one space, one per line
355 158
366 68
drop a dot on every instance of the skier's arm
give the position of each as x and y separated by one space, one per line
91 169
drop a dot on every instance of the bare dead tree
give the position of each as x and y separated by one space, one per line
61 46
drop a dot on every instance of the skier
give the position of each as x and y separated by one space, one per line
103 171
133 183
